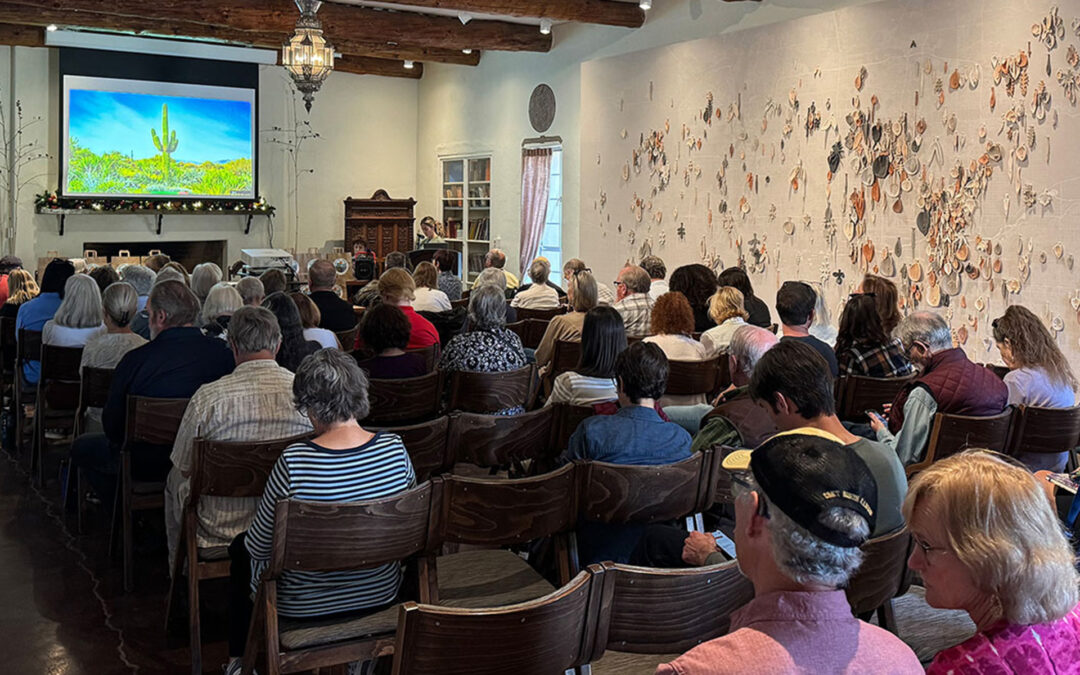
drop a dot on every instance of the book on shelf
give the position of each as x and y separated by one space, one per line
480 229
476 263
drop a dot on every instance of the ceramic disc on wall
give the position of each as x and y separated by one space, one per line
542 108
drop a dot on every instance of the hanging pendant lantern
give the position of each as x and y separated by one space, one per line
308 57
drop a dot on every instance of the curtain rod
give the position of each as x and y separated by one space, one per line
542 141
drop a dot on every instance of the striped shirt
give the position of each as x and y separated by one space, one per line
379 468
253 403
575 389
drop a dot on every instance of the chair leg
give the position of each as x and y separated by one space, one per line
129 544
80 501
194 626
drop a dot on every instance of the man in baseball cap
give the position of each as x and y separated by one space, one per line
804 504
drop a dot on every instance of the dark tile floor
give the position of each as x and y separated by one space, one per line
62 606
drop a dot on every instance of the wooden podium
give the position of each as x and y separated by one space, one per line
386 224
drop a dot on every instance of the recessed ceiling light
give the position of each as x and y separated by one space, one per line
51 28
409 64
545 26
645 4
466 51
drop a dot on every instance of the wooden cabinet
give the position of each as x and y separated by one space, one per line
385 224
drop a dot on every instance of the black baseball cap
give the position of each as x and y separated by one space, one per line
10 262
804 474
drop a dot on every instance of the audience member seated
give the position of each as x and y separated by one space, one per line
886 298
294 346
493 276
181 271
34 314
274 281
141 279
428 296
203 278
603 338
445 261
755 306
539 294
636 435
988 542
369 294
155 262
497 259
218 309
802 511
822 328
252 403
488 347
550 284
343 463
795 305
862 345
697 283
21 289
396 288
385 332
78 318
734 419
141 323
656 270
604 295
337 314
948 382
7 264
633 301
177 361
103 276
309 319
672 323
581 294
727 310
1039 374
251 291
104 350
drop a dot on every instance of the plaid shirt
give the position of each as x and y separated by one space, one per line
636 311
887 360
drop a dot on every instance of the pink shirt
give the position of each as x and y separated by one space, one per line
1045 648
793 632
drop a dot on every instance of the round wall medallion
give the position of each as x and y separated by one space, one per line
542 108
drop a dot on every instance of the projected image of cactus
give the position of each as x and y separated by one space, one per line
134 144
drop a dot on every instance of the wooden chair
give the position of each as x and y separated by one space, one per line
427 446
9 352
29 344
529 331
882 576
57 402
93 393
688 378
1000 371
463 303
951 434
432 353
347 338
1045 430
151 424
565 357
623 494
234 470
494 513
544 315
490 392
331 537
551 634
651 616
405 401
502 442
567 419
856 394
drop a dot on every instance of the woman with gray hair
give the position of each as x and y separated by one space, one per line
488 347
104 350
218 308
342 463
538 294
203 278
79 316
142 279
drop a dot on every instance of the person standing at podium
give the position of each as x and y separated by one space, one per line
429 228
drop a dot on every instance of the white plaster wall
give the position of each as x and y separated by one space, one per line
367 140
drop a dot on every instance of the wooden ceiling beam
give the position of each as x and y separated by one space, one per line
362 65
345 21
604 12
15 14
21 36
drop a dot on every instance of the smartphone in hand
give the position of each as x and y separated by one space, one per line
874 414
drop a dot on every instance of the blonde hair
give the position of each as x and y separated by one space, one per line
583 292
21 287
725 303
1004 530
396 285
222 299
81 306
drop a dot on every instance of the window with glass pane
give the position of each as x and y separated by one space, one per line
551 240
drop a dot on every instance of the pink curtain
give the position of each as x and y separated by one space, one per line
535 184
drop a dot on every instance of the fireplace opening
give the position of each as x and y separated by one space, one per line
187 253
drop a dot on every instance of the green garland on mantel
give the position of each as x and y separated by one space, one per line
50 201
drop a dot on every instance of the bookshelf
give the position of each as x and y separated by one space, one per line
466 206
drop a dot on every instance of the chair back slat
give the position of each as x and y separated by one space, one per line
334 536
463 303
431 355
567 419
504 512
688 378
665 611
490 392
427 445
94 388
951 434
153 421
1045 430
882 574
59 380
544 315
539 637
29 345
529 331
499 441
347 338
235 468
627 494
404 401
856 394
9 350
565 356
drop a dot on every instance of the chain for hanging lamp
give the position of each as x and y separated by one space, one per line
308 57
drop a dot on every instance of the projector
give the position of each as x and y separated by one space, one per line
265 257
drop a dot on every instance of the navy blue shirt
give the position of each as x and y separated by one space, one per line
821 347
634 435
173 365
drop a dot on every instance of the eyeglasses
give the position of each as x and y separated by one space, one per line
917 343
852 296
619 283
927 549
739 479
